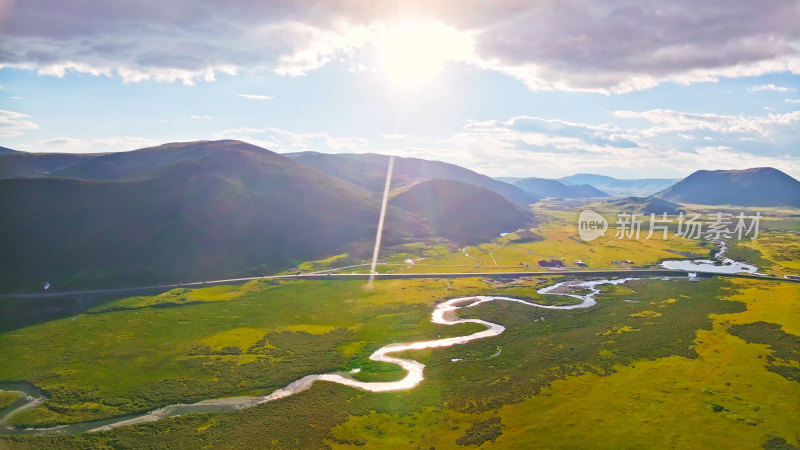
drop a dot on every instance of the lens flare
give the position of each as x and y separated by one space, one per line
380 222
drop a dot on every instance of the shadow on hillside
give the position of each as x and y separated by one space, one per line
21 312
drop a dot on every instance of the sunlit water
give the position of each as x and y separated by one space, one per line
708 266
443 313
719 264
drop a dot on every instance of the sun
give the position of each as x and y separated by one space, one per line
411 54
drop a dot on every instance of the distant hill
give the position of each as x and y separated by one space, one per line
6 150
509 180
645 205
461 212
620 187
26 165
586 191
369 171
762 186
229 209
543 187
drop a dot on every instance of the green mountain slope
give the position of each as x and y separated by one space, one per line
230 209
369 171
461 212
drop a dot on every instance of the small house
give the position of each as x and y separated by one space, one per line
551 263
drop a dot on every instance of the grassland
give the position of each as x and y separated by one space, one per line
777 250
137 354
719 394
141 353
560 232
655 364
7 398
618 373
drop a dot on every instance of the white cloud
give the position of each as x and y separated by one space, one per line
769 87
541 147
201 117
610 46
620 46
668 121
14 123
61 142
393 136
551 148
537 131
255 97
792 100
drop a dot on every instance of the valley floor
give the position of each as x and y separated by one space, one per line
655 363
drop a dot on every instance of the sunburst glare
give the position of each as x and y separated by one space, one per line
413 53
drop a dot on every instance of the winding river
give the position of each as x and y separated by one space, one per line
444 313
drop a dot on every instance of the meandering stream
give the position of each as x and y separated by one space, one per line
444 313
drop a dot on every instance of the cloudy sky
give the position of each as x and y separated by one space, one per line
508 88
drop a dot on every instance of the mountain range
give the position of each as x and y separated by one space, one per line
555 189
213 209
618 186
204 210
609 186
220 208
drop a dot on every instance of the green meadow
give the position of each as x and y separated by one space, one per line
618 372
141 353
654 364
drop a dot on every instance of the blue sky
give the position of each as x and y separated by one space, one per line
628 89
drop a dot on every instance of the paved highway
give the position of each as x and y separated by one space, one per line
328 275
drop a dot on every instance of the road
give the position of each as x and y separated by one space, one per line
328 275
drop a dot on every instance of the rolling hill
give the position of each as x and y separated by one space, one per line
762 186
369 171
27 165
210 210
543 187
461 212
